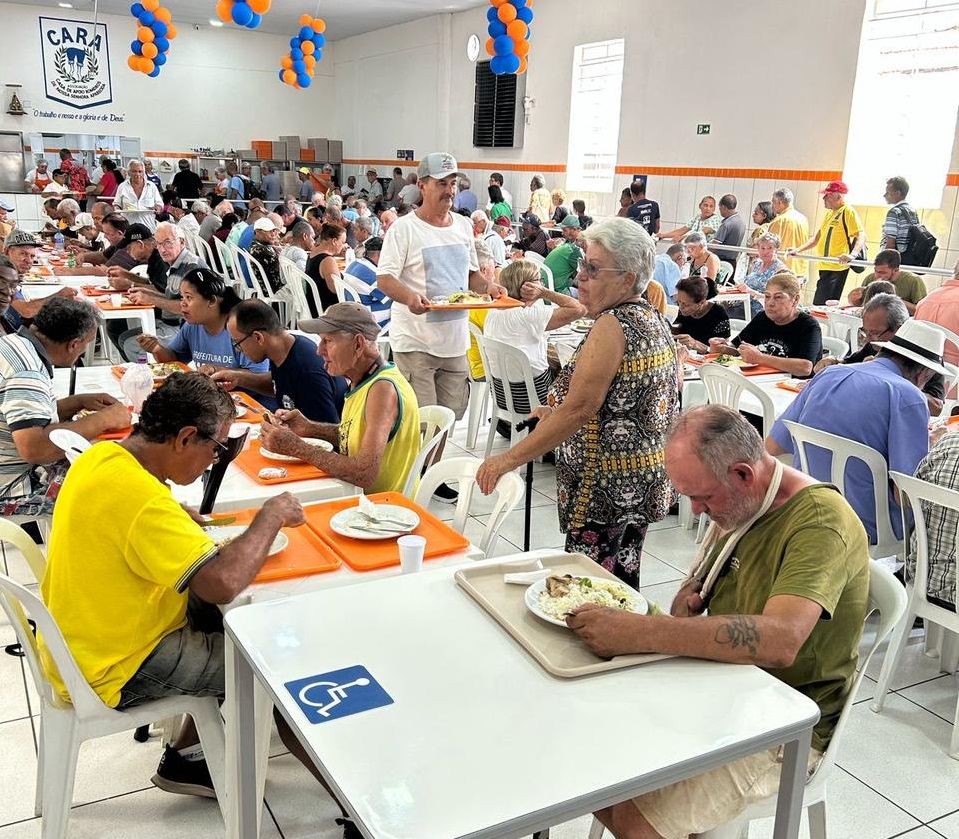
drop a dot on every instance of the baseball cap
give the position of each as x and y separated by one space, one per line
8 207
503 221
370 170
265 224
437 165
17 238
304 170
354 318
82 220
834 187
570 221
532 220
137 233
920 342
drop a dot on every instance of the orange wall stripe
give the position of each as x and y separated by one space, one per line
952 179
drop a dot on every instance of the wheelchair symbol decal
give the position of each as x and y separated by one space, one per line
340 693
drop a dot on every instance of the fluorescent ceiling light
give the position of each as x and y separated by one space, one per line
216 23
65 5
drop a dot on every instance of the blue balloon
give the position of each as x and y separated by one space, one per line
503 45
146 18
154 72
318 55
242 14
306 33
296 54
525 14
295 42
136 9
299 67
511 62
518 3
255 22
303 80
497 29
136 47
496 64
319 40
159 29
162 44
492 14
159 59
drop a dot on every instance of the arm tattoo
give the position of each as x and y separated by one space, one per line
739 631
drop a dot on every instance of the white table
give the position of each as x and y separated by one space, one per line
469 747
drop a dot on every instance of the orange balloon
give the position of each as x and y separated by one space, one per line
319 25
523 63
517 30
289 76
150 51
489 46
308 47
133 62
151 5
164 14
309 61
286 62
306 20
506 13
499 2
145 34
146 65
521 48
223 10
261 7
171 32
310 71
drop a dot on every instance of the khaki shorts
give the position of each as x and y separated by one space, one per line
435 380
717 797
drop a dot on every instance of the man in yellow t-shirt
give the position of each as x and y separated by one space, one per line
131 575
841 235
378 436
790 225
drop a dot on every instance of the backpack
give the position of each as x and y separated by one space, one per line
921 246
251 190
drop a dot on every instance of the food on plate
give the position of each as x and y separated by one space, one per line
162 369
462 297
272 473
725 360
563 594
582 325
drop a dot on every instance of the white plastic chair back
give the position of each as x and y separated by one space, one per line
547 273
727 387
479 394
918 495
65 724
462 471
835 347
532 256
435 423
224 258
299 285
504 364
69 442
344 293
205 252
844 450
189 240
10 531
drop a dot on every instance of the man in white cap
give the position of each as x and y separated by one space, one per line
264 249
897 425
429 253
373 192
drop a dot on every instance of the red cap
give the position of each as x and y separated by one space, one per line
834 187
503 221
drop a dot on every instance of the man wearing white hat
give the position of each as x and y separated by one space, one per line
878 403
265 249
429 253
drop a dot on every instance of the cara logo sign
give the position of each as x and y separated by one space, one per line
76 62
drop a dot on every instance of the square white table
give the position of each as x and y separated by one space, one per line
480 741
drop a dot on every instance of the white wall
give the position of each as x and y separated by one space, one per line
218 89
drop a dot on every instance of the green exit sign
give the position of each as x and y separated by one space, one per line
703 128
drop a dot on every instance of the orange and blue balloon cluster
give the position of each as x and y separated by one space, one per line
155 30
306 49
248 13
509 31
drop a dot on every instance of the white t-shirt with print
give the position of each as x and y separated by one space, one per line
524 329
435 262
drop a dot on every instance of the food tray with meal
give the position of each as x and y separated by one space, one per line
159 369
531 614
734 362
472 300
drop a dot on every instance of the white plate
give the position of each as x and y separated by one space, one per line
340 523
235 530
640 606
582 325
240 410
285 458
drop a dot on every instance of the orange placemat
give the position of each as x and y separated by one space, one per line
758 370
503 302
254 414
118 370
362 555
251 462
106 305
40 270
96 290
795 388
306 554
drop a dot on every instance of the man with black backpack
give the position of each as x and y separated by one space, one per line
902 230
237 191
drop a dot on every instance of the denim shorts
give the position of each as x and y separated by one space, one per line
188 662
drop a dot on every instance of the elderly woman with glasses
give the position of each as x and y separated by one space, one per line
781 336
609 409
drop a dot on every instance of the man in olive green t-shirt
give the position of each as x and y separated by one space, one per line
909 287
791 598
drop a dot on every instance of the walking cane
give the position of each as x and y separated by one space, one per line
520 426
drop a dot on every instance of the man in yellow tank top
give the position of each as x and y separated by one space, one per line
378 436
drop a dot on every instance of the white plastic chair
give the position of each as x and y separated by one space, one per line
532 256
205 252
301 288
435 423
505 364
11 532
843 451
835 347
479 395
64 725
886 596
249 266
550 283
462 471
69 442
344 294
225 259
727 387
917 495
736 325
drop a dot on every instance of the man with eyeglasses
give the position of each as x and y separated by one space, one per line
135 600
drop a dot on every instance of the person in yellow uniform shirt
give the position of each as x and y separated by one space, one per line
790 225
841 236
378 436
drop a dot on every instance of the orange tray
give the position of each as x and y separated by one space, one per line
254 416
42 270
251 462
306 554
118 371
503 302
106 305
758 370
363 555
790 386
97 291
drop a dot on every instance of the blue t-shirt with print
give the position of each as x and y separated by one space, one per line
302 382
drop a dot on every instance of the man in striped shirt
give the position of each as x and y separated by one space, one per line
31 467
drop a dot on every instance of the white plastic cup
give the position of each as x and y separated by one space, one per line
411 553
116 300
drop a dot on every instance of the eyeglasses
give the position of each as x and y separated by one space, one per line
591 271
221 448
872 334
238 345
165 243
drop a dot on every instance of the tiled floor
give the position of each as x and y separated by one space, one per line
894 776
